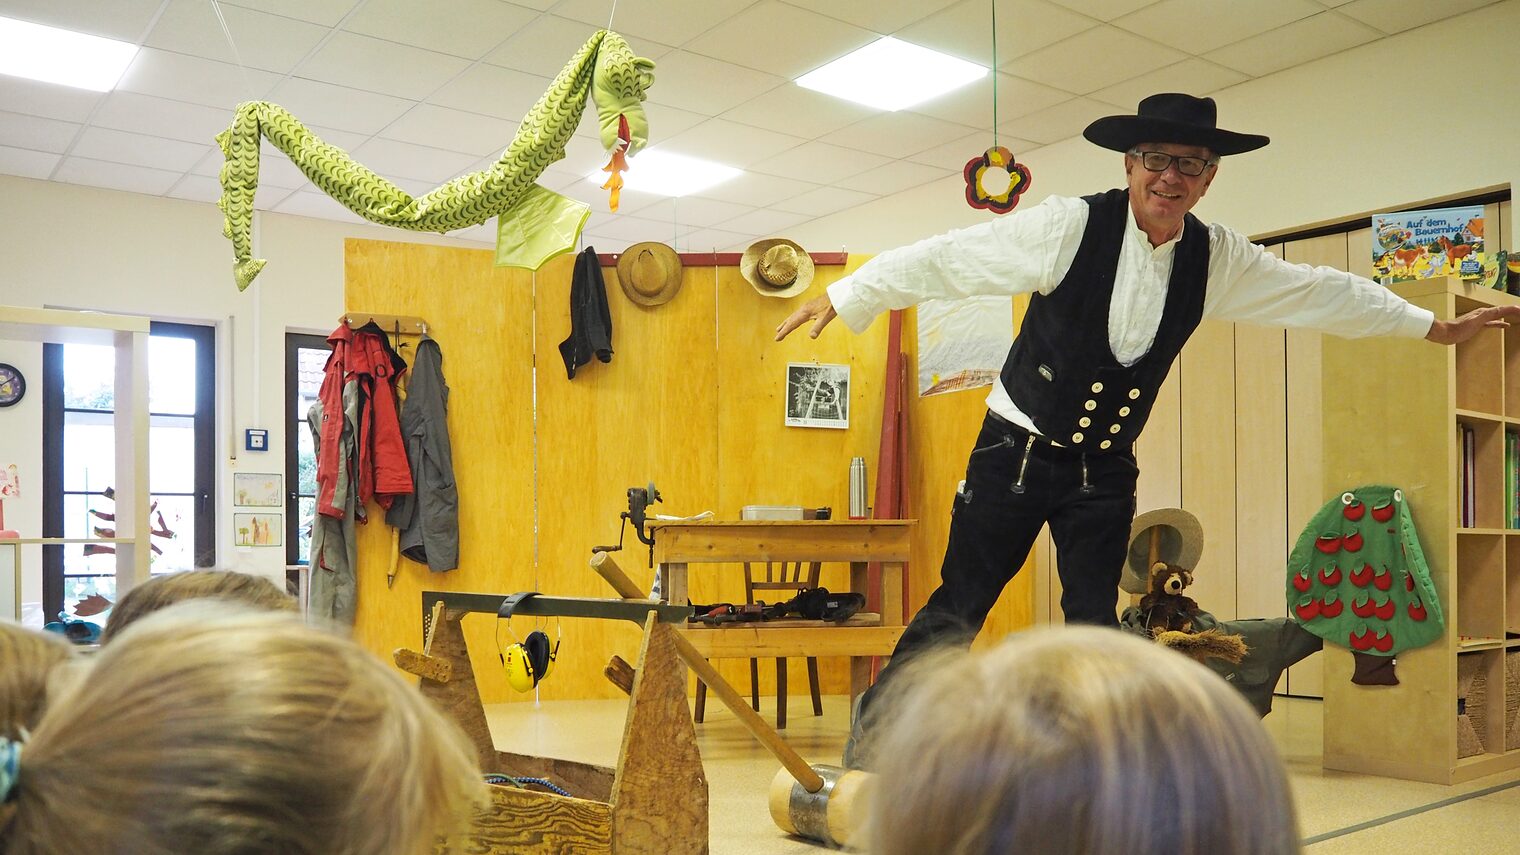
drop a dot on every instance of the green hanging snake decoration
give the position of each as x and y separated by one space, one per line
605 68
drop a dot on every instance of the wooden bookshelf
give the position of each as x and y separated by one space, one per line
1393 408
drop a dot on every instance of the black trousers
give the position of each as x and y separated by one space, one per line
1015 484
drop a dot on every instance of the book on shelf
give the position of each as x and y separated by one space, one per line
1423 244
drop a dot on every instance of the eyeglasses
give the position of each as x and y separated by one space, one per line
1158 161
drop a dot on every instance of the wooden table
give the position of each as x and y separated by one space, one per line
677 545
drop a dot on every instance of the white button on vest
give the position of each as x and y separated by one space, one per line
1084 422
1097 387
1076 437
1113 428
1133 394
1104 444
1123 411
1091 405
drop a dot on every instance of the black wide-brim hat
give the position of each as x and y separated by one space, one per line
1171 117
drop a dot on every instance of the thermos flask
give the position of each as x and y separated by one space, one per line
858 488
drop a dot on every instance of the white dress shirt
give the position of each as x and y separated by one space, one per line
1032 250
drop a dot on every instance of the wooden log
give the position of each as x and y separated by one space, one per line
422 665
620 673
608 569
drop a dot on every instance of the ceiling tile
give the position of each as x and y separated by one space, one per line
200 188
1299 42
193 79
404 160
1070 66
670 22
779 39
465 28
537 5
693 211
891 178
729 143
138 149
1396 16
717 240
144 114
971 105
1104 10
270 42
634 229
1059 122
325 12
664 122
874 15
1023 26
374 65
827 200
791 109
820 163
493 91
763 221
952 156
47 99
27 163
125 20
896 134
1203 28
311 203
591 192
758 190
454 130
338 107
115 176
1192 75
546 45
37 133
685 80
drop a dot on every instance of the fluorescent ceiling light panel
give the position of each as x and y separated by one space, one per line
889 74
669 174
59 56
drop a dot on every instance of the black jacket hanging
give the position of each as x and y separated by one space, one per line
590 319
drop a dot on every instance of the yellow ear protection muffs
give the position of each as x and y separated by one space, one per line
526 662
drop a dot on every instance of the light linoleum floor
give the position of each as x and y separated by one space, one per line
1339 813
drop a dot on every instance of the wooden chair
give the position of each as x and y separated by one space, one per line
787 578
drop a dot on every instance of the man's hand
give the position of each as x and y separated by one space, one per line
818 310
1465 327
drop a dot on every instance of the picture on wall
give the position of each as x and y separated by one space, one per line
817 395
256 489
256 529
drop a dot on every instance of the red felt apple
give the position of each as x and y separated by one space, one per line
1383 513
1416 611
1331 608
1361 577
1307 611
1384 580
1352 542
1408 582
1362 640
1331 578
1383 643
1363 607
1302 583
1354 511
1328 543
1387 610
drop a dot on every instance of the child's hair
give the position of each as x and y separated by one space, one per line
27 661
171 588
219 730
1074 740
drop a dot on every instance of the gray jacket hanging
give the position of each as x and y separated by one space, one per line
428 518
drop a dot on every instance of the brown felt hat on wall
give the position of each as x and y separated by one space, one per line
650 273
1179 542
777 267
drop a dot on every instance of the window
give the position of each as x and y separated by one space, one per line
305 357
79 454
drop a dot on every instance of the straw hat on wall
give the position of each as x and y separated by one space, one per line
650 273
777 267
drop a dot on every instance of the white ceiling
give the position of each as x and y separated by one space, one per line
423 90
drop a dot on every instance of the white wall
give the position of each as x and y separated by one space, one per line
1421 115
66 246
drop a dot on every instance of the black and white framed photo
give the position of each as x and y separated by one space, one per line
817 395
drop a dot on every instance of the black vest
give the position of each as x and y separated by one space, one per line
1061 371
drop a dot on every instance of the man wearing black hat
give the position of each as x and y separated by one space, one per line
1118 282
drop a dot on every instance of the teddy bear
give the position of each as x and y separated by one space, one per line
1168 614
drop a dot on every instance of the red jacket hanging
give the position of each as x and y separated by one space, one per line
364 357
